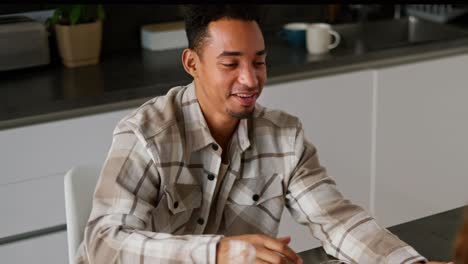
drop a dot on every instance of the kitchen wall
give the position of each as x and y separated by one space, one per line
123 21
122 25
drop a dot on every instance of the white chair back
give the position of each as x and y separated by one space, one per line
80 183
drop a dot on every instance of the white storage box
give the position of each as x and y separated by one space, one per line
164 36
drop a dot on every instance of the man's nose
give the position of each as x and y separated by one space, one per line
248 76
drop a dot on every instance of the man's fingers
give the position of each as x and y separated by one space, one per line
282 248
269 256
284 240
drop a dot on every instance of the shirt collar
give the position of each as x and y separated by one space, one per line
197 133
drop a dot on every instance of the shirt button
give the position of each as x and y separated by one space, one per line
176 204
214 146
211 177
200 221
255 197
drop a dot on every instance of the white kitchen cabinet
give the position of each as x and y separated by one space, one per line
50 249
34 160
336 112
54 147
422 144
32 205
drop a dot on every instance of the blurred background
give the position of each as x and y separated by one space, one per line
122 26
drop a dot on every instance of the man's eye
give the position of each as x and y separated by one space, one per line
259 63
229 64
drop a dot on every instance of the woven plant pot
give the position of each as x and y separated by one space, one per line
79 45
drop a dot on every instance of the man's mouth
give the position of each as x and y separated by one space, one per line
245 95
246 99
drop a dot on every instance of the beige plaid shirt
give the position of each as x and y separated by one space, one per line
155 191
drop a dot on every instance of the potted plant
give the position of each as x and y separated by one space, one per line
78 30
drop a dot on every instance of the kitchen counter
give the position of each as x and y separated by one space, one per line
431 236
126 80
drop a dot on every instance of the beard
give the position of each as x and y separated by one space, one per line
241 115
246 113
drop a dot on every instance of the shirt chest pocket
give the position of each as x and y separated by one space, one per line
176 207
255 205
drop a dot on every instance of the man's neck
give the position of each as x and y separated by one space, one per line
222 132
221 125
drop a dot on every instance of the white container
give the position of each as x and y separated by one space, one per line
23 43
164 36
436 13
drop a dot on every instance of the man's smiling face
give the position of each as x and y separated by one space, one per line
232 69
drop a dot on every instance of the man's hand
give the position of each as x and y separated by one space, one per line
255 248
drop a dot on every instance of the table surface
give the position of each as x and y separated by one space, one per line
431 236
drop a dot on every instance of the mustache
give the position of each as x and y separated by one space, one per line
245 89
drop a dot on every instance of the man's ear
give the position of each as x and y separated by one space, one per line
190 62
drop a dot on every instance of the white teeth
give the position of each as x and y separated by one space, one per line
245 95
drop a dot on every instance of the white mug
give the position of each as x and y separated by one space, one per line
318 38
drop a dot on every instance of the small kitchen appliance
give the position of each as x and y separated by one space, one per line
23 43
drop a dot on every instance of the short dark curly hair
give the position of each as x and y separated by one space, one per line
198 17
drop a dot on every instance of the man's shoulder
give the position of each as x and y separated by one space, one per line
277 117
153 116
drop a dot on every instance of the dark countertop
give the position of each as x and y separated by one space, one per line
431 236
126 80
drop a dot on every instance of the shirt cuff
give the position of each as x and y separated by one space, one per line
205 251
405 255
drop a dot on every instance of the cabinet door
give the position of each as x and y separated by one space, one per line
50 249
54 147
34 160
336 113
422 145
32 205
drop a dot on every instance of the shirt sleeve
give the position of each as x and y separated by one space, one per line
346 230
119 228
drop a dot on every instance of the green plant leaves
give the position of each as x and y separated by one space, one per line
100 12
56 16
76 14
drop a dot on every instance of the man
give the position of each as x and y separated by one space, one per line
202 174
